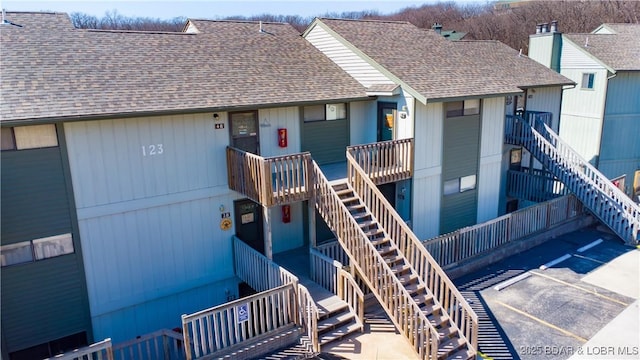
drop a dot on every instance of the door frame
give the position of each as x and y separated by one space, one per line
257 136
259 221
381 106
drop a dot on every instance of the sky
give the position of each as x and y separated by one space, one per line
213 9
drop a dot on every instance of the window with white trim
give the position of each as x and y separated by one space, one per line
37 249
459 185
324 112
588 81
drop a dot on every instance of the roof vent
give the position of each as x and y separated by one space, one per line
554 26
7 22
437 27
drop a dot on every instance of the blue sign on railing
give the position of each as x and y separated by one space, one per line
242 313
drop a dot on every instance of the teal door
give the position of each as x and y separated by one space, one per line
386 120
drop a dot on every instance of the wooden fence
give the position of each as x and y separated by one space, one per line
229 324
270 181
385 161
330 274
444 291
99 351
256 270
463 244
160 345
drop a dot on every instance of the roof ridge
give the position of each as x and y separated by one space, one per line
149 32
35 12
240 21
368 20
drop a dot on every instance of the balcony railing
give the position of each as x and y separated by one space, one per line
270 181
534 185
386 161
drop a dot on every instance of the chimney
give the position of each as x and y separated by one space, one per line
437 27
538 28
554 26
545 27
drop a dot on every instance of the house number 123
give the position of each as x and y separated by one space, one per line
151 150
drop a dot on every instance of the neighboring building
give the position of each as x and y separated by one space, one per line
117 210
452 100
448 34
600 116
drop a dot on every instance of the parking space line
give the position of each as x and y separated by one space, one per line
590 245
555 262
568 333
580 288
588 258
511 281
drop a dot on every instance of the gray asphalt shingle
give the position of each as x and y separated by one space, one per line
620 51
77 73
438 68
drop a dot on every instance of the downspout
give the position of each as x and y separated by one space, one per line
604 111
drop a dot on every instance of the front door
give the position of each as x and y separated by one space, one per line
248 216
386 120
244 131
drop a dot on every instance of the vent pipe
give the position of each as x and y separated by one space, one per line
538 28
554 26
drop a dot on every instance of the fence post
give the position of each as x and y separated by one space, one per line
187 342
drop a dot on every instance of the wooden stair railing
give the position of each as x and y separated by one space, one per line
393 297
462 316
385 161
608 203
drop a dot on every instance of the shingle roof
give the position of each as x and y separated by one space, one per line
40 20
57 74
438 68
620 51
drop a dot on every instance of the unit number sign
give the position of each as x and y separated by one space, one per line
152 150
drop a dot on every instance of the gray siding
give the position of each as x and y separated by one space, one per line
460 158
43 300
326 140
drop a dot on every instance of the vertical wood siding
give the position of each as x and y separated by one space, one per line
287 236
149 220
427 180
363 122
46 299
270 121
620 150
346 58
490 171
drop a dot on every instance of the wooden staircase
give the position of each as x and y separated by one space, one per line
402 292
608 203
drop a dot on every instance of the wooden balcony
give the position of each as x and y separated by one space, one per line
534 185
270 181
282 180
385 162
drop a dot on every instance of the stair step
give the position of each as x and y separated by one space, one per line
380 241
464 354
414 288
429 308
450 346
374 232
349 199
339 333
423 298
400 268
354 207
361 216
393 259
384 250
344 192
367 223
407 278
437 319
446 332
332 322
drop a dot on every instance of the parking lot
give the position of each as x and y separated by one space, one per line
555 300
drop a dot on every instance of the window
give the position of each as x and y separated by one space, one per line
515 159
324 112
38 249
29 137
463 108
460 185
587 80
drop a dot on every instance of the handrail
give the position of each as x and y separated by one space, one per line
444 291
309 315
392 295
162 344
330 274
579 175
96 349
257 270
463 244
385 161
220 327
270 181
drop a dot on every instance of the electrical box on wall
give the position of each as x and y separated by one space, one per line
403 114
